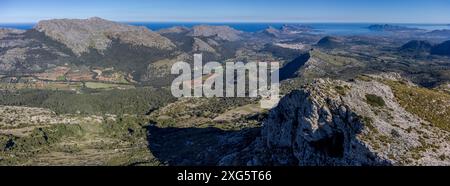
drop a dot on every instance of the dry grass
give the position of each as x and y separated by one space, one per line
431 105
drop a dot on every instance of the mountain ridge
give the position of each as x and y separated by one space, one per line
81 34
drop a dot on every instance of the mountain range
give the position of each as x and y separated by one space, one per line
96 92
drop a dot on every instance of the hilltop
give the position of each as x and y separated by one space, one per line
80 35
221 32
417 47
373 120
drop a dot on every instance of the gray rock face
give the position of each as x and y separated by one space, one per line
317 131
5 31
80 35
271 31
331 122
221 32
11 59
201 46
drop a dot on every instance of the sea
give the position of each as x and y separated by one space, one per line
321 28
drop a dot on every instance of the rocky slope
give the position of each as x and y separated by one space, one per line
6 31
201 46
80 35
221 32
272 32
362 122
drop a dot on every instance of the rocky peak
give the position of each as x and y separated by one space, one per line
331 122
221 32
201 46
81 34
272 31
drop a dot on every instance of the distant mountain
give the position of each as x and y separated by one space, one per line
295 28
271 31
175 29
286 30
439 33
82 34
221 32
441 49
330 42
417 46
390 28
81 45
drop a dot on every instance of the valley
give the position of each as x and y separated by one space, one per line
97 92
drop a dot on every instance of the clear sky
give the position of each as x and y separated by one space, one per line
369 11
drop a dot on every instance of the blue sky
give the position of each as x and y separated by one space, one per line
385 11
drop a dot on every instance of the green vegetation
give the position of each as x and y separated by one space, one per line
342 90
431 105
18 149
333 59
368 122
98 85
375 101
132 101
40 137
61 78
364 78
44 86
115 142
418 150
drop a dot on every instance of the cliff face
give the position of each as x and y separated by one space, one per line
345 123
316 131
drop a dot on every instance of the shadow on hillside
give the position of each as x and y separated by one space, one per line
196 146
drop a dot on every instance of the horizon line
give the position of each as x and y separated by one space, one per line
249 22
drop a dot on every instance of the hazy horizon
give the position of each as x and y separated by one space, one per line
239 22
230 11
